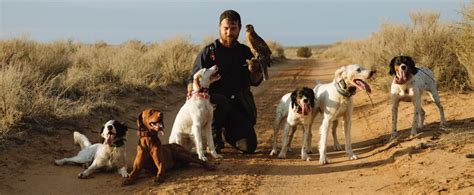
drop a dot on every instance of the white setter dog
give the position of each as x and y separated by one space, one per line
334 100
110 154
195 117
298 109
408 85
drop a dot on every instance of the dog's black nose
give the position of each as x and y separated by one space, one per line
305 100
110 127
403 67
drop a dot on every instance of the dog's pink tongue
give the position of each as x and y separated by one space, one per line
364 85
306 109
403 76
110 139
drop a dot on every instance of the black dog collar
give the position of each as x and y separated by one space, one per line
119 143
344 90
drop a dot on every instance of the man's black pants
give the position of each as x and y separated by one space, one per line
237 125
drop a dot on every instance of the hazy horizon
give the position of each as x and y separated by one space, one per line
291 23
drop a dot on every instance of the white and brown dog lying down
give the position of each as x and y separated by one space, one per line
408 85
194 119
333 100
109 154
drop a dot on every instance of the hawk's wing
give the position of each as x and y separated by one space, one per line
259 45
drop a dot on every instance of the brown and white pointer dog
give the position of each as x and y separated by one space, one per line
154 156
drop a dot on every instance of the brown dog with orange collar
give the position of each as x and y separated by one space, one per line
154 156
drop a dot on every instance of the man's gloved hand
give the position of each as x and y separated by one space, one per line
254 65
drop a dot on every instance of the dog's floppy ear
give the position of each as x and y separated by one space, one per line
140 124
121 129
411 64
293 98
340 73
197 78
392 66
101 139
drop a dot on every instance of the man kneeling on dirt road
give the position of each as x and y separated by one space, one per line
235 107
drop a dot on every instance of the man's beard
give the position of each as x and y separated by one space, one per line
229 41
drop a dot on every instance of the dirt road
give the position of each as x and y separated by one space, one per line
433 162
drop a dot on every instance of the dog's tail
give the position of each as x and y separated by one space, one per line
81 139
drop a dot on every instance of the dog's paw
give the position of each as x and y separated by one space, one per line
282 155
125 175
202 157
273 152
305 157
82 175
58 162
394 136
353 157
442 123
215 155
323 160
337 147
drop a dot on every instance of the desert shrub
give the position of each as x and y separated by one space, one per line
177 56
278 53
304 52
464 46
427 40
11 96
62 80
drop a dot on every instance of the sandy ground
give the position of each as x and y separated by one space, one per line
433 162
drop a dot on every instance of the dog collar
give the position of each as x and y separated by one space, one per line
202 93
119 143
147 133
343 90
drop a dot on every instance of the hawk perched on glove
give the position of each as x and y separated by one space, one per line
259 49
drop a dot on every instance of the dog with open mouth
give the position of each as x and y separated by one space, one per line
110 153
409 83
335 100
154 156
298 109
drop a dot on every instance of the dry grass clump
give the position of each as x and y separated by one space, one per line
303 52
427 40
278 53
464 46
61 80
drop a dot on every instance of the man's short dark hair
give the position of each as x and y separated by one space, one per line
231 15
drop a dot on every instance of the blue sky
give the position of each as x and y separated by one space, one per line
291 23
